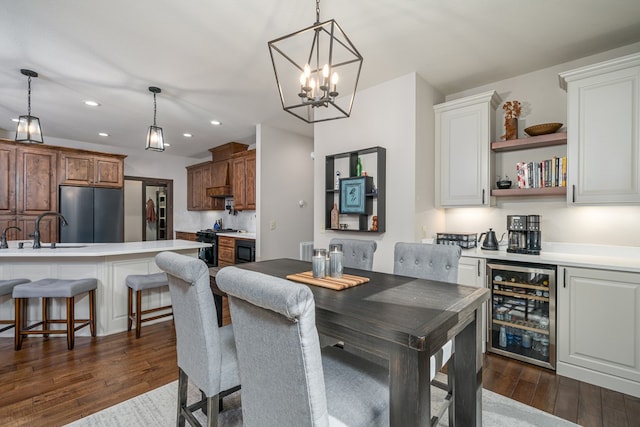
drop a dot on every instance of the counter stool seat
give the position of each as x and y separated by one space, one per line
142 282
54 288
6 288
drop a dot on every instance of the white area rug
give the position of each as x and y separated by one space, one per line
158 408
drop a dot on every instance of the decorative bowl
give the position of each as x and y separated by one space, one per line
542 129
503 185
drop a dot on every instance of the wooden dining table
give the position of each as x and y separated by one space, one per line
404 320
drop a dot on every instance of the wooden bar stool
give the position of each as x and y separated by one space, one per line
139 283
54 288
6 288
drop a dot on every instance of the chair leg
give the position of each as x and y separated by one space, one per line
130 304
45 316
183 382
70 323
452 385
92 312
20 305
138 313
212 411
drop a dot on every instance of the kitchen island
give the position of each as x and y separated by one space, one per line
110 263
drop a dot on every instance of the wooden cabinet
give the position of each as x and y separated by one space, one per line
198 180
91 169
518 145
7 179
344 165
183 235
464 129
603 117
599 327
244 180
37 186
226 251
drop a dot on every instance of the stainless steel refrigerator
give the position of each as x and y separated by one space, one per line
95 215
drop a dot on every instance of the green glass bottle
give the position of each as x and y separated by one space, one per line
359 167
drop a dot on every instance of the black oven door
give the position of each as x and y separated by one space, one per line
245 251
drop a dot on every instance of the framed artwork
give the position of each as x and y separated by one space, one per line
353 195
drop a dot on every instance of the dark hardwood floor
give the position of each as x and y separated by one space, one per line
45 385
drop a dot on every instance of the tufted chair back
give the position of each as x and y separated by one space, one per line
427 261
357 253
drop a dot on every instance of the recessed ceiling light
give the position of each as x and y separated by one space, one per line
91 103
216 122
15 120
187 135
103 134
167 145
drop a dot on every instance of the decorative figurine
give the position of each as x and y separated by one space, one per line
335 219
374 223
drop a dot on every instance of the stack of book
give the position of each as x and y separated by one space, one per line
547 173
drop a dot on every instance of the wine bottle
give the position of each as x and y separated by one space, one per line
359 167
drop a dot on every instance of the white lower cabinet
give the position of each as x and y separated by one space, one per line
598 317
472 272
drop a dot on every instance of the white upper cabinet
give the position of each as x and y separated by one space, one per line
603 147
464 131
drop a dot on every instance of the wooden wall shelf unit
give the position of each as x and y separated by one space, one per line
558 138
545 191
549 140
332 195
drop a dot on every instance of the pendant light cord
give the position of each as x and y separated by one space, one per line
29 96
154 108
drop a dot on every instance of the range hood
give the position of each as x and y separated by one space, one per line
221 184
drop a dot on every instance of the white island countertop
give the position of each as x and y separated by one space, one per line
67 250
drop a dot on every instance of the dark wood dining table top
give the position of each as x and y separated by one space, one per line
416 313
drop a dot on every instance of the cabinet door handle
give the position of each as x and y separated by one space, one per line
564 278
573 194
483 196
478 268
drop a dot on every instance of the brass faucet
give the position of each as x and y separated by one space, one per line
3 239
36 232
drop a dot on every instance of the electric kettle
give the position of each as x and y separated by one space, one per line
490 241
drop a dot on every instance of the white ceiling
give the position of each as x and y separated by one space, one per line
212 62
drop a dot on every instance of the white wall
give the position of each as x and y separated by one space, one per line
394 115
284 177
132 211
544 101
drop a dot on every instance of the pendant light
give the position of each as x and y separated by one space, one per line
307 65
155 140
28 129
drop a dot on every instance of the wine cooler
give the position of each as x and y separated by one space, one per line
522 324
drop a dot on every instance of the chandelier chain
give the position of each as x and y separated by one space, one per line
317 11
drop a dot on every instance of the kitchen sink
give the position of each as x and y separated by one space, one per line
63 246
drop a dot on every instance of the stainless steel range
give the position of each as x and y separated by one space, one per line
209 254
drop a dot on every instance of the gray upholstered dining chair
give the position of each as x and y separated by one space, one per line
357 253
287 380
206 353
434 262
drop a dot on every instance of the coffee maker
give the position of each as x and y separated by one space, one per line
525 236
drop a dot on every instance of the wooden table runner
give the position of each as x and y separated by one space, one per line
347 280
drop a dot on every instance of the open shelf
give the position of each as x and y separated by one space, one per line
558 138
542 191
